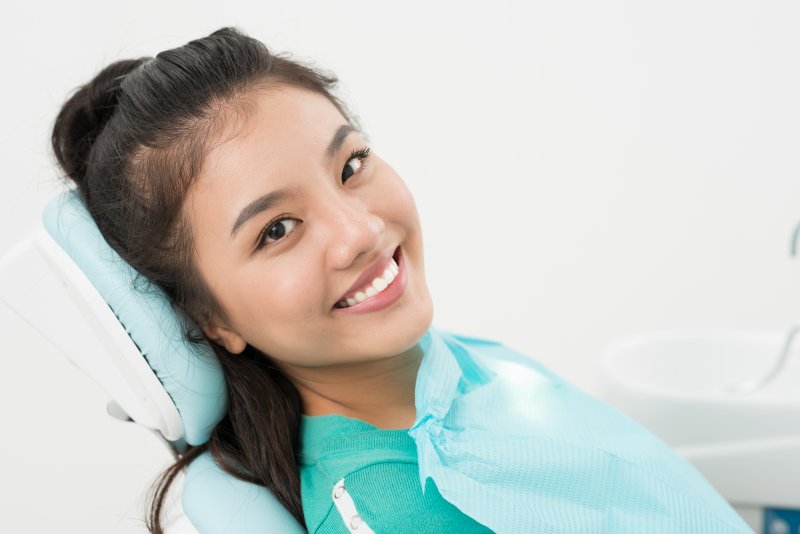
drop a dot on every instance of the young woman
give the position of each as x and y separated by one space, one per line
236 181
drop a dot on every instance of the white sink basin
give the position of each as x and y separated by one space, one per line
702 363
676 382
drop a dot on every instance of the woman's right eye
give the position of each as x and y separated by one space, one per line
275 230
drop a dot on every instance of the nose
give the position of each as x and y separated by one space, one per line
353 231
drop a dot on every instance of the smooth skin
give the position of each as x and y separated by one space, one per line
343 213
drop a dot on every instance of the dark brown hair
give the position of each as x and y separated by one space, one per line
133 139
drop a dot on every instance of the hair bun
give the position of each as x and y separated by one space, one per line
84 116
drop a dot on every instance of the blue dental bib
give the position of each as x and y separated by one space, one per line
520 450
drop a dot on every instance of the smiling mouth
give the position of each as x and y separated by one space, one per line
375 286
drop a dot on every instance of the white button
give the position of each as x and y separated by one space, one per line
355 522
338 492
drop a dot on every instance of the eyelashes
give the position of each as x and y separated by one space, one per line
358 156
349 170
264 235
361 153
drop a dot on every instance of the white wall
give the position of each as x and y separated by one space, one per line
584 171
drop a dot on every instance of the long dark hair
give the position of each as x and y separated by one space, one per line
133 139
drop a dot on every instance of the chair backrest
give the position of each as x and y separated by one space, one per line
122 331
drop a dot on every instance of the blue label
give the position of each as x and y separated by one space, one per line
781 521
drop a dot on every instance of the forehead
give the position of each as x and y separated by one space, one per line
271 124
273 139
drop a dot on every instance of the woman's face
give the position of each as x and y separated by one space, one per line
289 215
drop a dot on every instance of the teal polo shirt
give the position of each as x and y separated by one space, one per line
381 476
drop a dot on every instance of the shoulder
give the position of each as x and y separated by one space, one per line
389 497
369 486
336 447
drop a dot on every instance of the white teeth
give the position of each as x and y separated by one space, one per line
379 284
373 288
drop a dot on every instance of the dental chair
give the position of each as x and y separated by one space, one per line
74 290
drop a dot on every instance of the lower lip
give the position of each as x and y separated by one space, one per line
385 298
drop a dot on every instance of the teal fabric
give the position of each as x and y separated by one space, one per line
520 450
191 374
381 475
217 502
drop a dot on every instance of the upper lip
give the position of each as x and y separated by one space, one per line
370 273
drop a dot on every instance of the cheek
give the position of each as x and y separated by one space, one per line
403 206
407 211
282 294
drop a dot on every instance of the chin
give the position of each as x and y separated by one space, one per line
398 336
413 328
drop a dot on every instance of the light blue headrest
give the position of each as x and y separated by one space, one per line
190 373
217 502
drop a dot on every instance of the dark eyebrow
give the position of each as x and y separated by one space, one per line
269 200
338 139
260 204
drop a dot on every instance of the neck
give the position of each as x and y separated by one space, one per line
379 392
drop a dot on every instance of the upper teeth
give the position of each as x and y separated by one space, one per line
373 288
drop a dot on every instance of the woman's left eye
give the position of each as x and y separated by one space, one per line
354 163
275 230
